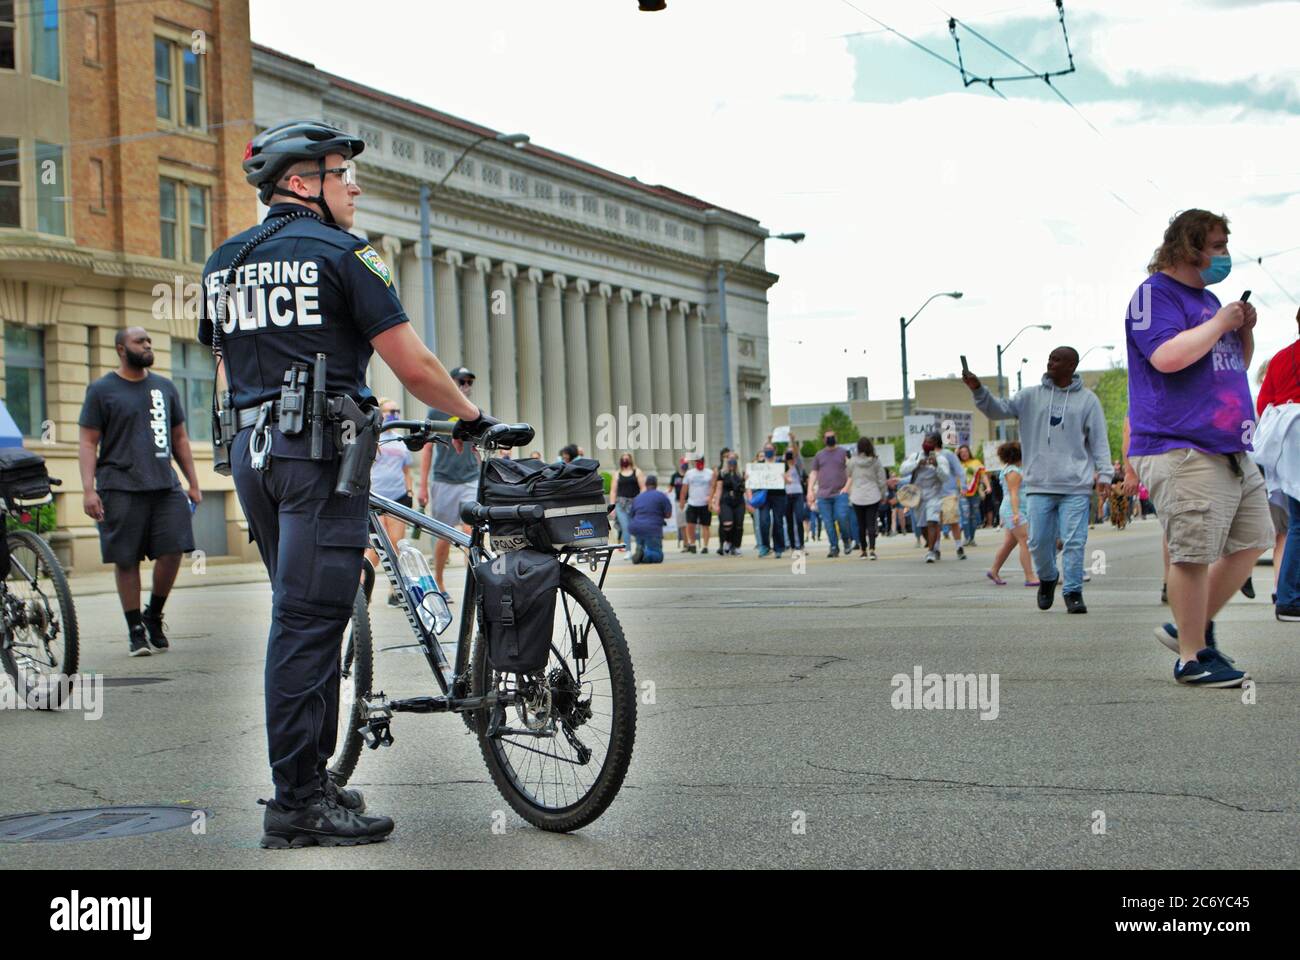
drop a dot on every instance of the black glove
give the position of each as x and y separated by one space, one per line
473 429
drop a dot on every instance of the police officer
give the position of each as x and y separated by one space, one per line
303 286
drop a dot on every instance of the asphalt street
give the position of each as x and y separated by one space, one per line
770 740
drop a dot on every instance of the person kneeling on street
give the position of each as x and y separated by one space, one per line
646 516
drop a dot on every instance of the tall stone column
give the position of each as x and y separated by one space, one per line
528 337
598 376
660 380
477 356
446 285
575 362
642 358
411 280
554 402
501 329
620 353
699 387
679 372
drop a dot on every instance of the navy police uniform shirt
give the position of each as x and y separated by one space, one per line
309 288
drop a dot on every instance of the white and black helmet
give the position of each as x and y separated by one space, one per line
274 151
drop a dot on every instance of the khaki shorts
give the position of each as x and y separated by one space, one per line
949 512
1207 510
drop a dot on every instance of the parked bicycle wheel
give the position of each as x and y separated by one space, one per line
39 645
583 709
357 671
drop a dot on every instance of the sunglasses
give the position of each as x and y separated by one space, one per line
464 383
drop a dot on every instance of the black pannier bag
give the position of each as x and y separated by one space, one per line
23 475
519 590
572 494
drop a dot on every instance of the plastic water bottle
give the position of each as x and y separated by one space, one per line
415 567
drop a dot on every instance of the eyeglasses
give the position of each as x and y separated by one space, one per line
348 172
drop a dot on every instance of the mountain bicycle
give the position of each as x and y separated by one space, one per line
38 623
557 742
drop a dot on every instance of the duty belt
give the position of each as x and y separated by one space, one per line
248 417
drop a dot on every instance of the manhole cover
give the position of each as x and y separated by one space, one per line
101 823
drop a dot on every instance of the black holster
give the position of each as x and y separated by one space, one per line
223 434
356 435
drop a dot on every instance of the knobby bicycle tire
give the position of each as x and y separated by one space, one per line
58 581
604 622
356 657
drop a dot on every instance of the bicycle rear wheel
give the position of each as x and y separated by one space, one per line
583 708
355 677
39 648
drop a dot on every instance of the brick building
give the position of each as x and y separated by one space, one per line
122 129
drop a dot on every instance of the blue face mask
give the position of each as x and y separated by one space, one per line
1218 270
390 417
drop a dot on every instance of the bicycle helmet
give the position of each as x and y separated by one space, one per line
274 151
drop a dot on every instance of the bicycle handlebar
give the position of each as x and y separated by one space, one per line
473 513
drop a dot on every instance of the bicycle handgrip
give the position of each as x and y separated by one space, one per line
471 512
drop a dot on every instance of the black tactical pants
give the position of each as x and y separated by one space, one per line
312 542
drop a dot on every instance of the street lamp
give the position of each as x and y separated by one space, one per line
1002 393
902 330
516 140
1020 374
724 330
1100 346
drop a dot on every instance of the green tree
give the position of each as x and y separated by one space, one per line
837 422
808 450
1112 391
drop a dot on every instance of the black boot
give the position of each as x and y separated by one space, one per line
1046 593
323 823
1074 603
347 798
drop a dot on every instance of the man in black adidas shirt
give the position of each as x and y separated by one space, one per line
303 285
132 427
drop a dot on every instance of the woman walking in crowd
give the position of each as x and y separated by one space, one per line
771 509
975 484
390 477
629 483
868 485
794 500
1014 519
729 503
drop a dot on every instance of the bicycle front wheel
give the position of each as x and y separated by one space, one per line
559 756
356 669
39 648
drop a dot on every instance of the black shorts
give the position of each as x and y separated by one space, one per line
699 515
152 524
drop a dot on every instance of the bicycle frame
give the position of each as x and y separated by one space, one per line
445 672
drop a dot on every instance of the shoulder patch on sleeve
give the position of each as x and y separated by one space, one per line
375 264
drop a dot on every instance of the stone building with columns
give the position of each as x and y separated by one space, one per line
569 290
573 293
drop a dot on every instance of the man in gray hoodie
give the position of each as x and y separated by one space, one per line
1063 436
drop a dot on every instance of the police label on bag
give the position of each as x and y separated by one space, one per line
375 264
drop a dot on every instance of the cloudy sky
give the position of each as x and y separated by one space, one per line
810 116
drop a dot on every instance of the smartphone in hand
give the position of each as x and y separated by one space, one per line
965 368
1245 297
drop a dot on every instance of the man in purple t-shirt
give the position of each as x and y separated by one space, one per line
1191 421
826 484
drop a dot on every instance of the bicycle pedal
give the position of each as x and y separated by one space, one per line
377 714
